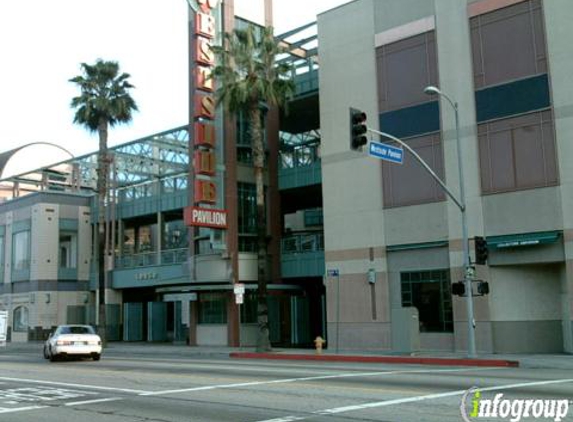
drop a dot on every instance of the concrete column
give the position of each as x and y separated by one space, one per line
558 16
8 249
159 239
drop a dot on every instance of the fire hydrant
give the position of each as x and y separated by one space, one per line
318 343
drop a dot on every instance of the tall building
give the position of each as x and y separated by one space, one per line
505 65
181 221
366 252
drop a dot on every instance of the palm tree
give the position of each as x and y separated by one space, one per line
248 79
104 101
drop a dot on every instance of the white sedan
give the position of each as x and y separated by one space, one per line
73 340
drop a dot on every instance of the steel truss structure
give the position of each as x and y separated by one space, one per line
137 169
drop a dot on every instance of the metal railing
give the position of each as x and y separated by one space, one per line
302 243
167 257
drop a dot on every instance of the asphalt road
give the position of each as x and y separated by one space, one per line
144 388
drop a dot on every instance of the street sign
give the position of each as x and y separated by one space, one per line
239 288
332 272
239 298
386 152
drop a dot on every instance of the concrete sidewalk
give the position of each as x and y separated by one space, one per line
158 350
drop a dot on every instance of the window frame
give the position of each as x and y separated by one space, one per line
72 253
545 117
428 41
25 265
212 308
437 164
20 319
446 303
538 46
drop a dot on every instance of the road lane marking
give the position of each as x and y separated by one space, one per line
67 384
16 395
78 403
20 409
314 378
345 409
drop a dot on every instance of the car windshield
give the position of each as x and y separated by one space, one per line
76 330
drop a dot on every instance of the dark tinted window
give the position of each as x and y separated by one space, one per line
76 330
405 68
430 293
409 183
508 44
518 153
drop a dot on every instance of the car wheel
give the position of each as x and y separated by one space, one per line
46 354
53 357
96 356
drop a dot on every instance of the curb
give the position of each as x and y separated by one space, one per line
409 360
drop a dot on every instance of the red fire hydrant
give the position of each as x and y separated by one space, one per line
318 343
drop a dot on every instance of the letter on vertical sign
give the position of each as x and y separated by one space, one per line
205 25
203 79
204 134
204 106
205 192
207 5
204 54
204 162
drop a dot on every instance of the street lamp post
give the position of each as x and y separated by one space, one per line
431 90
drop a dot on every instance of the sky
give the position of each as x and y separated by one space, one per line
42 44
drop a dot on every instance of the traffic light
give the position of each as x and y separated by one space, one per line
458 288
480 250
483 288
357 129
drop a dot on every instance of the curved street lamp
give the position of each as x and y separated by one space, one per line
432 90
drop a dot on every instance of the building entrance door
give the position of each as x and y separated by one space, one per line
157 321
133 322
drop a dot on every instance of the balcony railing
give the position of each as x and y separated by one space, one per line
302 243
167 257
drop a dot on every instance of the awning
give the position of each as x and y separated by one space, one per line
522 240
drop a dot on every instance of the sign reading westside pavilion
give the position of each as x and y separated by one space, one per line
203 116
386 152
203 103
205 217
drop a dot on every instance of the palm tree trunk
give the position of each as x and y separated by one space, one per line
102 167
263 341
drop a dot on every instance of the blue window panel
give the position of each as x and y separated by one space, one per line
68 224
513 98
411 121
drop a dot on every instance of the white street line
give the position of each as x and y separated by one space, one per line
315 378
78 403
384 403
287 419
21 409
67 384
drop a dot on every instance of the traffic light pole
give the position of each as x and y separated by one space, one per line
461 204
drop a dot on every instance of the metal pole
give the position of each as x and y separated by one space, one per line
461 203
465 243
337 311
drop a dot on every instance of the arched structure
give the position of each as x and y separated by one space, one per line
7 155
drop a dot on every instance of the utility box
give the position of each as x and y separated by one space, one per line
405 330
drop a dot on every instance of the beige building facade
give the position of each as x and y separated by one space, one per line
506 66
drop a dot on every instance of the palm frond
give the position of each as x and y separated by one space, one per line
104 95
